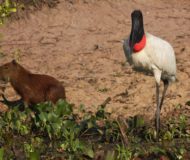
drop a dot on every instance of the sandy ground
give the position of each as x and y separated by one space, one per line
78 44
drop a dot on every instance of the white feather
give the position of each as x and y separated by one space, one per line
156 57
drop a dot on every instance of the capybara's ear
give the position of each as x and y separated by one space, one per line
14 62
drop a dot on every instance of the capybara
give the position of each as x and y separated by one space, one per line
33 88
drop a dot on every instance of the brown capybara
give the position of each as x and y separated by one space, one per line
33 88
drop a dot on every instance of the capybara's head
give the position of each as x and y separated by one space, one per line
8 70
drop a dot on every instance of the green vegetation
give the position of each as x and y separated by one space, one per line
6 8
54 131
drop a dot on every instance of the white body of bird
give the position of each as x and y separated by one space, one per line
156 57
148 53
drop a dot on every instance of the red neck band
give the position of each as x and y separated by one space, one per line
139 46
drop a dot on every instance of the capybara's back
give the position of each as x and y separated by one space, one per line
33 88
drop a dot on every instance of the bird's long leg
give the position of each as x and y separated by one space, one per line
166 84
157 110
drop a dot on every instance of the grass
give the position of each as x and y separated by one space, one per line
8 8
55 132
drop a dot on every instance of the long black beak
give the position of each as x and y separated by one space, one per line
132 41
133 36
137 29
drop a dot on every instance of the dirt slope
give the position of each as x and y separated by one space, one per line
77 43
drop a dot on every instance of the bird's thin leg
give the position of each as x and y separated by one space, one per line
166 84
157 110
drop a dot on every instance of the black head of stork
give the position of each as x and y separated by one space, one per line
137 29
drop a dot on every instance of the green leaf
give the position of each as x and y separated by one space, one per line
34 156
56 128
44 107
158 150
1 153
100 113
9 115
168 136
139 121
7 3
12 10
63 108
43 117
24 130
18 124
88 151
48 128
